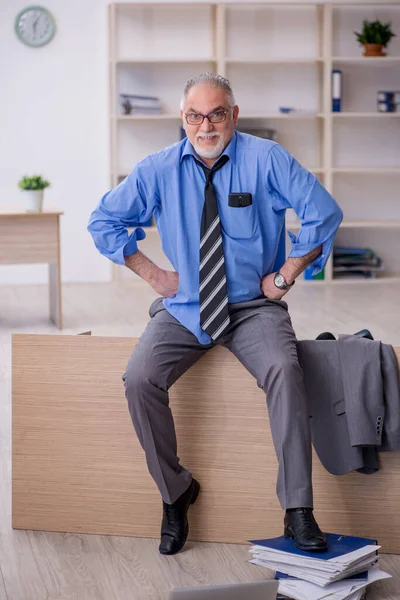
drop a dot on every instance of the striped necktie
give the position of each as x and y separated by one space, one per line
214 313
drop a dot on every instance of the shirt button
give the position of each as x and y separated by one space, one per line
323 255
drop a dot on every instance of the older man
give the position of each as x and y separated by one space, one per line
219 199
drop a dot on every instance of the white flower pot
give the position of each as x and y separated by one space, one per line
33 200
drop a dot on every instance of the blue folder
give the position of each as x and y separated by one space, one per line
336 90
338 545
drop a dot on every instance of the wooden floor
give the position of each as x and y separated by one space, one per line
54 566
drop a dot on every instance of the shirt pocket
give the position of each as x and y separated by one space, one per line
240 222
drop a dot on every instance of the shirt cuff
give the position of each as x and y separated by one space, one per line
298 250
130 247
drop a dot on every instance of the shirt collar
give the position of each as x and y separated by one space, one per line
229 151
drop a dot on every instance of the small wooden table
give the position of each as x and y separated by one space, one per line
34 237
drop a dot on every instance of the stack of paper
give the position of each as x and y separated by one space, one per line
341 573
347 589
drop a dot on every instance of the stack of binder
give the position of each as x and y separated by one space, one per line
388 101
343 572
356 262
144 105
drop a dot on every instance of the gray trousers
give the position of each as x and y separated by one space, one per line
261 336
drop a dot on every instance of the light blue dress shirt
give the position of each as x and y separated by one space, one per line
170 185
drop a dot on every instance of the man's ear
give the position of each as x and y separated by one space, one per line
235 114
183 119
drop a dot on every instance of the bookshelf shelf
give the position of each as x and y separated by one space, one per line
365 115
284 116
373 224
149 117
163 60
139 117
285 56
273 61
363 170
392 224
366 60
378 279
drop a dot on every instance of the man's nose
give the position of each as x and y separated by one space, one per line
206 126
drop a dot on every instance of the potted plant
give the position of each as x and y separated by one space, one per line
375 36
33 192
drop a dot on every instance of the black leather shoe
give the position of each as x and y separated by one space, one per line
175 526
301 526
365 333
326 335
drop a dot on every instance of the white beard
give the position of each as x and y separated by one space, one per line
209 152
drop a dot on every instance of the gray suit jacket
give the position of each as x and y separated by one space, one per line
353 388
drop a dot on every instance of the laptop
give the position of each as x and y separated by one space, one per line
255 590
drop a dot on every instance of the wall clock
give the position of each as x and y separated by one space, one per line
35 26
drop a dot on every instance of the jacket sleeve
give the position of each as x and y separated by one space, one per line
391 391
320 215
130 204
360 368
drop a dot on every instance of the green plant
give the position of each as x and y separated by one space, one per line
375 32
33 183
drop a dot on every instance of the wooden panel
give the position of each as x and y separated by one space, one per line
55 286
24 239
78 467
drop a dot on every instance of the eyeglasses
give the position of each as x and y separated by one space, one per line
215 117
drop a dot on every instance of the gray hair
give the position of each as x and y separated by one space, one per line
215 81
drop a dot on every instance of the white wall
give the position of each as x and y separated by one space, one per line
54 122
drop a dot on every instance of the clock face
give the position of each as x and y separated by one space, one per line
35 26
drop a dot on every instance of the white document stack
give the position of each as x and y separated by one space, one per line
341 573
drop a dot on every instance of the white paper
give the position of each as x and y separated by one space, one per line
341 590
323 564
318 578
313 569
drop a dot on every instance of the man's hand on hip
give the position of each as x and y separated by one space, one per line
165 283
269 288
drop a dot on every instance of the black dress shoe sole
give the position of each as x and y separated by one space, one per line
193 499
289 534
